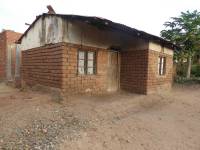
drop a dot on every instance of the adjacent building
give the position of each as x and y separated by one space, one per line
8 52
80 54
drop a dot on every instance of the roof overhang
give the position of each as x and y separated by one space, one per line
107 24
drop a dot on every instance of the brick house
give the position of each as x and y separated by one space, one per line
79 54
8 54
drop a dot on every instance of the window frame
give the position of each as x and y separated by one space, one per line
162 65
78 64
86 62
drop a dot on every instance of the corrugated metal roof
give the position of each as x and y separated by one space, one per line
107 24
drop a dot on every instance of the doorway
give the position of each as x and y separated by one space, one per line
113 71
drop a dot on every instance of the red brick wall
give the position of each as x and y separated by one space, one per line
134 71
139 71
56 66
156 82
2 55
43 65
84 83
12 36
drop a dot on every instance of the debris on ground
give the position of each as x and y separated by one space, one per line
45 134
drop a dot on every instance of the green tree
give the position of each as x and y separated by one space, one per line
184 31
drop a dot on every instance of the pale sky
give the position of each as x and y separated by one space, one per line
146 15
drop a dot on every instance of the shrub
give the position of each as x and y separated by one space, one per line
196 70
181 69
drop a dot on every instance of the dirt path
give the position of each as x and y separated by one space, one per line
167 121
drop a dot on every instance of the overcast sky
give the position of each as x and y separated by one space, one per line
146 15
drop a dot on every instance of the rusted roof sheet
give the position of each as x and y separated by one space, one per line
106 24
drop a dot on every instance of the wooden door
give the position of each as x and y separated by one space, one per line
9 63
113 71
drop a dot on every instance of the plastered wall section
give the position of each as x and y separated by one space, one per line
51 29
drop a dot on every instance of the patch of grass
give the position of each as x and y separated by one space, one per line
56 94
57 97
184 80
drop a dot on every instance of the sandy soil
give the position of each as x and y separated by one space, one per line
122 121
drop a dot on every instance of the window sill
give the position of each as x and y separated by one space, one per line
161 76
86 75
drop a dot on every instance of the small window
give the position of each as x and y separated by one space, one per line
161 65
86 62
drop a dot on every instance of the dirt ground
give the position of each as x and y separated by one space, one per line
123 121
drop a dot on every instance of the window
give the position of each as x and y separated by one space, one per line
81 62
161 65
86 62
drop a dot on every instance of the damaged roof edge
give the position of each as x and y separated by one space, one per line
108 23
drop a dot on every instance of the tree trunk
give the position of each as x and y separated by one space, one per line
189 67
199 60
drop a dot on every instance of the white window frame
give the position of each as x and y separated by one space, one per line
161 65
86 63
